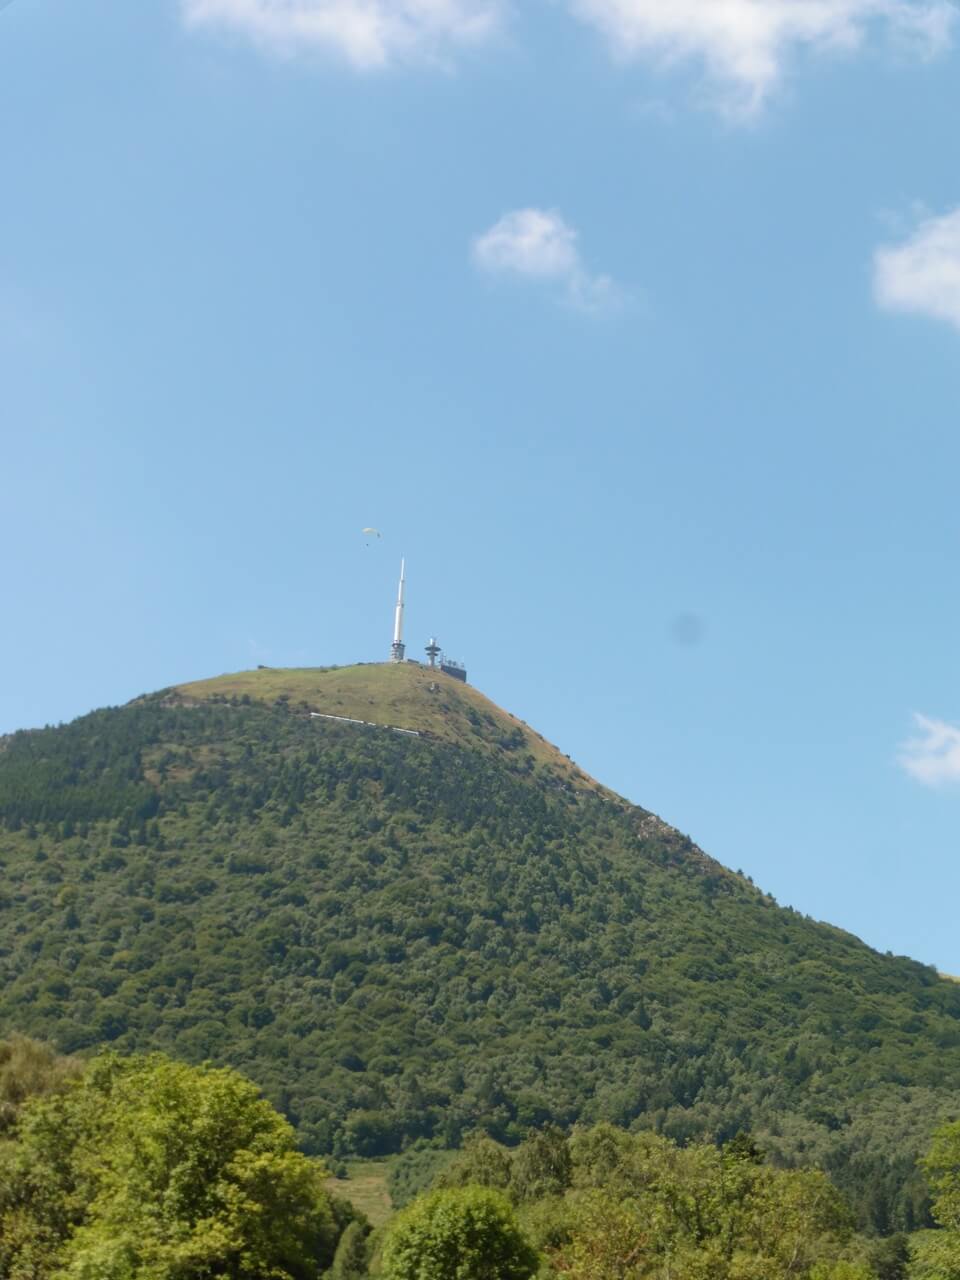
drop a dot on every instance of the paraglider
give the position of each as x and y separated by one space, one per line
371 533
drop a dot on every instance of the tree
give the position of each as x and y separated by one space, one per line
29 1069
939 1252
541 1165
890 1257
607 1241
468 1233
481 1163
842 1269
645 1209
350 1260
942 1167
150 1168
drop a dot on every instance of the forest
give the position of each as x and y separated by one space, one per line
142 1168
405 941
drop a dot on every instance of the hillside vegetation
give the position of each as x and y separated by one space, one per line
143 1168
403 938
404 696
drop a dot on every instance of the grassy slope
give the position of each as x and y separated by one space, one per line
405 696
365 1186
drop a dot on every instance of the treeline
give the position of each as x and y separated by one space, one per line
603 1204
403 941
141 1168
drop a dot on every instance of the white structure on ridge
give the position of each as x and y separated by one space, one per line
397 649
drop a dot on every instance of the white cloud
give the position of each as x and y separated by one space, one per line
923 273
743 44
368 33
933 757
539 245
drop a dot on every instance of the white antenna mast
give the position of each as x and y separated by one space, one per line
397 649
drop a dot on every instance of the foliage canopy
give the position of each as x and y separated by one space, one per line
147 1169
468 1233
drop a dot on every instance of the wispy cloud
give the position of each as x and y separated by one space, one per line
538 245
933 756
922 274
369 33
743 45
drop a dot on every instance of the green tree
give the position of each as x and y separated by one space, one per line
468 1233
942 1167
605 1241
938 1252
350 1261
147 1169
481 1163
890 1257
645 1209
541 1165
29 1069
842 1269
415 1172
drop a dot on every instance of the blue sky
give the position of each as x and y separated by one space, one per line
633 324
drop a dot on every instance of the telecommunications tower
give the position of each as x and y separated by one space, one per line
397 649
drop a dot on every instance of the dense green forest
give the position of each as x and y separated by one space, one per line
403 939
143 1168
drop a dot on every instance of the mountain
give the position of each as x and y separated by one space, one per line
405 914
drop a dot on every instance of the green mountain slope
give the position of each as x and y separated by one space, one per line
406 936
406 696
